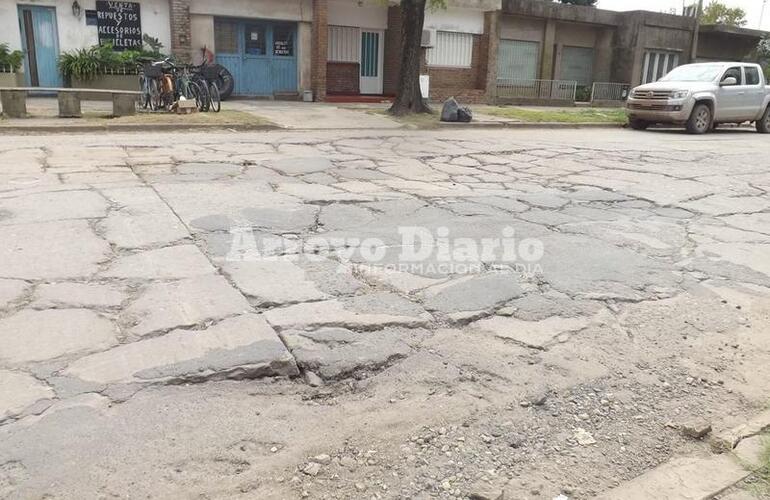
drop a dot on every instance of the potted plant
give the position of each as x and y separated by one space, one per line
101 67
11 67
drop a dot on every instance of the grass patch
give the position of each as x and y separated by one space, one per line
224 118
577 115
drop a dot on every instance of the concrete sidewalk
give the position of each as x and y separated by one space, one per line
267 115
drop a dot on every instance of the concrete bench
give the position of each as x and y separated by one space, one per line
14 100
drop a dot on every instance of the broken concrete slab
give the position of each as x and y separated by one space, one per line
751 452
78 295
46 251
53 206
19 391
400 281
241 204
30 336
536 306
180 261
726 440
11 291
272 282
236 348
536 334
299 166
683 477
163 306
607 271
333 353
370 311
472 293
126 230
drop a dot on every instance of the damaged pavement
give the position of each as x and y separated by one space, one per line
139 338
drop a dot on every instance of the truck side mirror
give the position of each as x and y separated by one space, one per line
728 81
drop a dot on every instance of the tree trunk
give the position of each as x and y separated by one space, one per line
408 96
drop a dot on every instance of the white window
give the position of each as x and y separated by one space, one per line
657 64
451 49
344 44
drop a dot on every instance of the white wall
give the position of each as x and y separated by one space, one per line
455 19
73 32
349 13
286 10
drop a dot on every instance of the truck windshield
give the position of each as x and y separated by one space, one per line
694 73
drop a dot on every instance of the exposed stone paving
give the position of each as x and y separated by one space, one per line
127 273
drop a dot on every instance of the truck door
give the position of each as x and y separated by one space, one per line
755 92
730 98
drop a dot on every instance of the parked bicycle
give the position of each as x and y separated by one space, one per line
207 77
163 83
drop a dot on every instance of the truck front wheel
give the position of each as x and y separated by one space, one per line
700 119
637 124
763 124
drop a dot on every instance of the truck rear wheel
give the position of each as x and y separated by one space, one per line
700 119
637 124
763 124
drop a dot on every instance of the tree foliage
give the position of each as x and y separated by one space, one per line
718 13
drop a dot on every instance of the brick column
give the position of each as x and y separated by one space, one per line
490 42
318 49
181 31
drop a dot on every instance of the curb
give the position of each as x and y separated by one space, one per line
172 127
158 127
531 125
738 456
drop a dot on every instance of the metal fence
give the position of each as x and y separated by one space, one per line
609 91
508 88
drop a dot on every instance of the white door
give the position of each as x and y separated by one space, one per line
372 50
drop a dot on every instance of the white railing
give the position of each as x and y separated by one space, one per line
123 70
512 88
609 91
6 69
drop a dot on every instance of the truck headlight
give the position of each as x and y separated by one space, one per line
680 94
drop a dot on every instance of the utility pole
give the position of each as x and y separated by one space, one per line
696 34
762 14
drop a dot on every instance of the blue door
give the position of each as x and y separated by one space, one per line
261 55
40 41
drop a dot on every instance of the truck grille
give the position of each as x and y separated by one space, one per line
654 107
652 94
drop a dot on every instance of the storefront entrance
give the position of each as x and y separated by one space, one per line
261 55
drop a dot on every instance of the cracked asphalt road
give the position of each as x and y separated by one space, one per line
143 353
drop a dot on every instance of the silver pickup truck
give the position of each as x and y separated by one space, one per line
701 96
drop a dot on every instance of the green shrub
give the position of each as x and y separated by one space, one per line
86 64
8 59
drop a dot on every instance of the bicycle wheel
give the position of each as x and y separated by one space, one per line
204 95
215 99
156 97
144 85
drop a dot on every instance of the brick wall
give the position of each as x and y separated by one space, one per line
466 84
457 78
181 32
342 78
319 45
